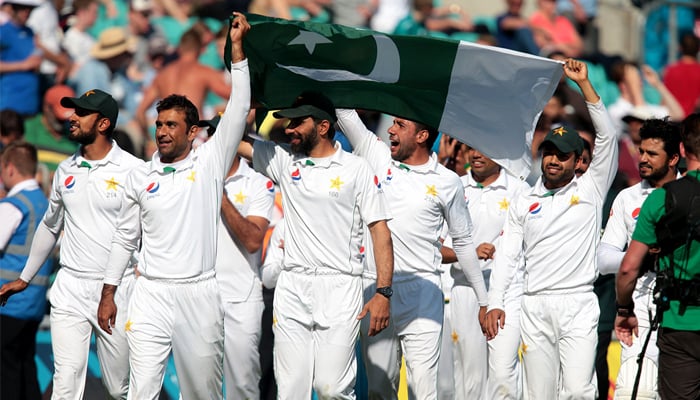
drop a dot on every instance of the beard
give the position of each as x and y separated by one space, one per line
85 137
306 142
655 174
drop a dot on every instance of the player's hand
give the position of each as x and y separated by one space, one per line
482 319
626 328
576 70
11 288
107 313
239 27
378 308
495 319
485 251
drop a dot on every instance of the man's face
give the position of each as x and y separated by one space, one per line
173 137
583 162
83 126
20 14
303 134
557 167
140 21
403 135
482 166
653 160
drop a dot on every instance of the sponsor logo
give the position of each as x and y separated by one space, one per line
69 183
635 213
153 187
270 186
296 175
377 183
535 208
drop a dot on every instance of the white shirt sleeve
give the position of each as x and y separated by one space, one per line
505 264
272 266
126 237
604 159
609 258
42 245
364 143
469 264
11 217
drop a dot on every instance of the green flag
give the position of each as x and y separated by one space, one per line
486 97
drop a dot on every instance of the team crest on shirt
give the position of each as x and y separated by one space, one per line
270 186
535 209
336 183
69 183
635 213
152 190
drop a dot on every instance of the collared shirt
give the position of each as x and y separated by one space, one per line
10 215
558 230
237 271
327 204
174 207
86 197
422 197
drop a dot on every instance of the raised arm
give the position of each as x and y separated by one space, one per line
364 143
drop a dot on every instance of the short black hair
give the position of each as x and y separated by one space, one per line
433 133
667 131
11 123
180 103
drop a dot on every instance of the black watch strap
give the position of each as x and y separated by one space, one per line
385 291
626 310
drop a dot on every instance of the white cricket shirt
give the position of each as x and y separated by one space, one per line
327 203
558 231
422 197
237 270
174 208
85 201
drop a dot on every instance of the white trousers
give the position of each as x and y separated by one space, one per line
559 335
643 297
74 302
417 309
186 318
316 327
242 330
485 369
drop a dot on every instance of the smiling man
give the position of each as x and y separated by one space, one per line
556 225
86 197
659 154
172 208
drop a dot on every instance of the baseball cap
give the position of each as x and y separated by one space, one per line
565 139
141 5
95 100
309 104
26 3
53 97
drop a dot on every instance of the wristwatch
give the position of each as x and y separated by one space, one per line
626 310
385 291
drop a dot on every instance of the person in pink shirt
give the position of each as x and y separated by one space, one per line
554 32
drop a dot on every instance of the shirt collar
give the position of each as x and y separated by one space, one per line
114 156
156 166
29 184
338 157
429 167
243 170
541 191
501 181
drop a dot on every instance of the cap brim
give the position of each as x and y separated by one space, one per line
560 146
630 118
73 102
305 110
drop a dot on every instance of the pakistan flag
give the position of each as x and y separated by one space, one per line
486 97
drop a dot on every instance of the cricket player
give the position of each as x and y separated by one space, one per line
486 370
659 154
332 199
246 209
173 207
87 194
424 196
556 225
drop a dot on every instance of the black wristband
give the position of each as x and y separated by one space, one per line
626 310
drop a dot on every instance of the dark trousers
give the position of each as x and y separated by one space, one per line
18 378
679 364
601 364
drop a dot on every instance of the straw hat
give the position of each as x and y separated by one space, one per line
112 42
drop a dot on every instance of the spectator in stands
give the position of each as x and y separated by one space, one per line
56 63
146 34
77 41
48 131
19 59
513 30
11 127
683 77
629 81
108 70
582 13
553 31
